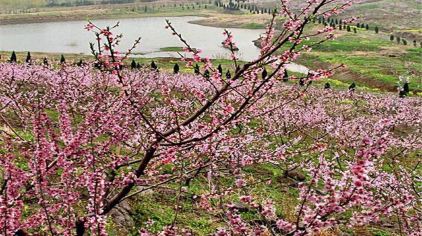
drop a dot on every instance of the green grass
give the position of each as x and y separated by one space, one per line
172 49
167 64
362 41
370 59
159 206
254 26
163 63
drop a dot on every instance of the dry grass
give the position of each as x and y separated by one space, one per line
233 20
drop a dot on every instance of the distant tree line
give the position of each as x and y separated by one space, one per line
61 3
403 85
403 41
244 6
187 6
340 25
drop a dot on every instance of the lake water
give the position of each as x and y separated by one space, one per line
71 37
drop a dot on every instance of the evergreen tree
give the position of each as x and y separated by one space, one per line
404 41
391 37
406 88
133 64
154 66
220 69
355 30
404 91
358 25
352 87
207 74
28 58
228 75
285 76
402 94
196 69
264 74
348 28
327 86
415 43
398 39
13 58
367 27
176 68
45 61
376 29
340 27
62 59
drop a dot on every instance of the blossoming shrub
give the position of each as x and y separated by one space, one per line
76 142
69 138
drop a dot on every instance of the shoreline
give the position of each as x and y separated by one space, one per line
75 57
213 17
54 19
30 19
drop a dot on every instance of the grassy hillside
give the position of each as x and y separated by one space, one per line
390 15
370 59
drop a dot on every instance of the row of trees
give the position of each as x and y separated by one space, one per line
403 87
403 41
152 8
69 3
34 6
249 7
339 24
29 60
